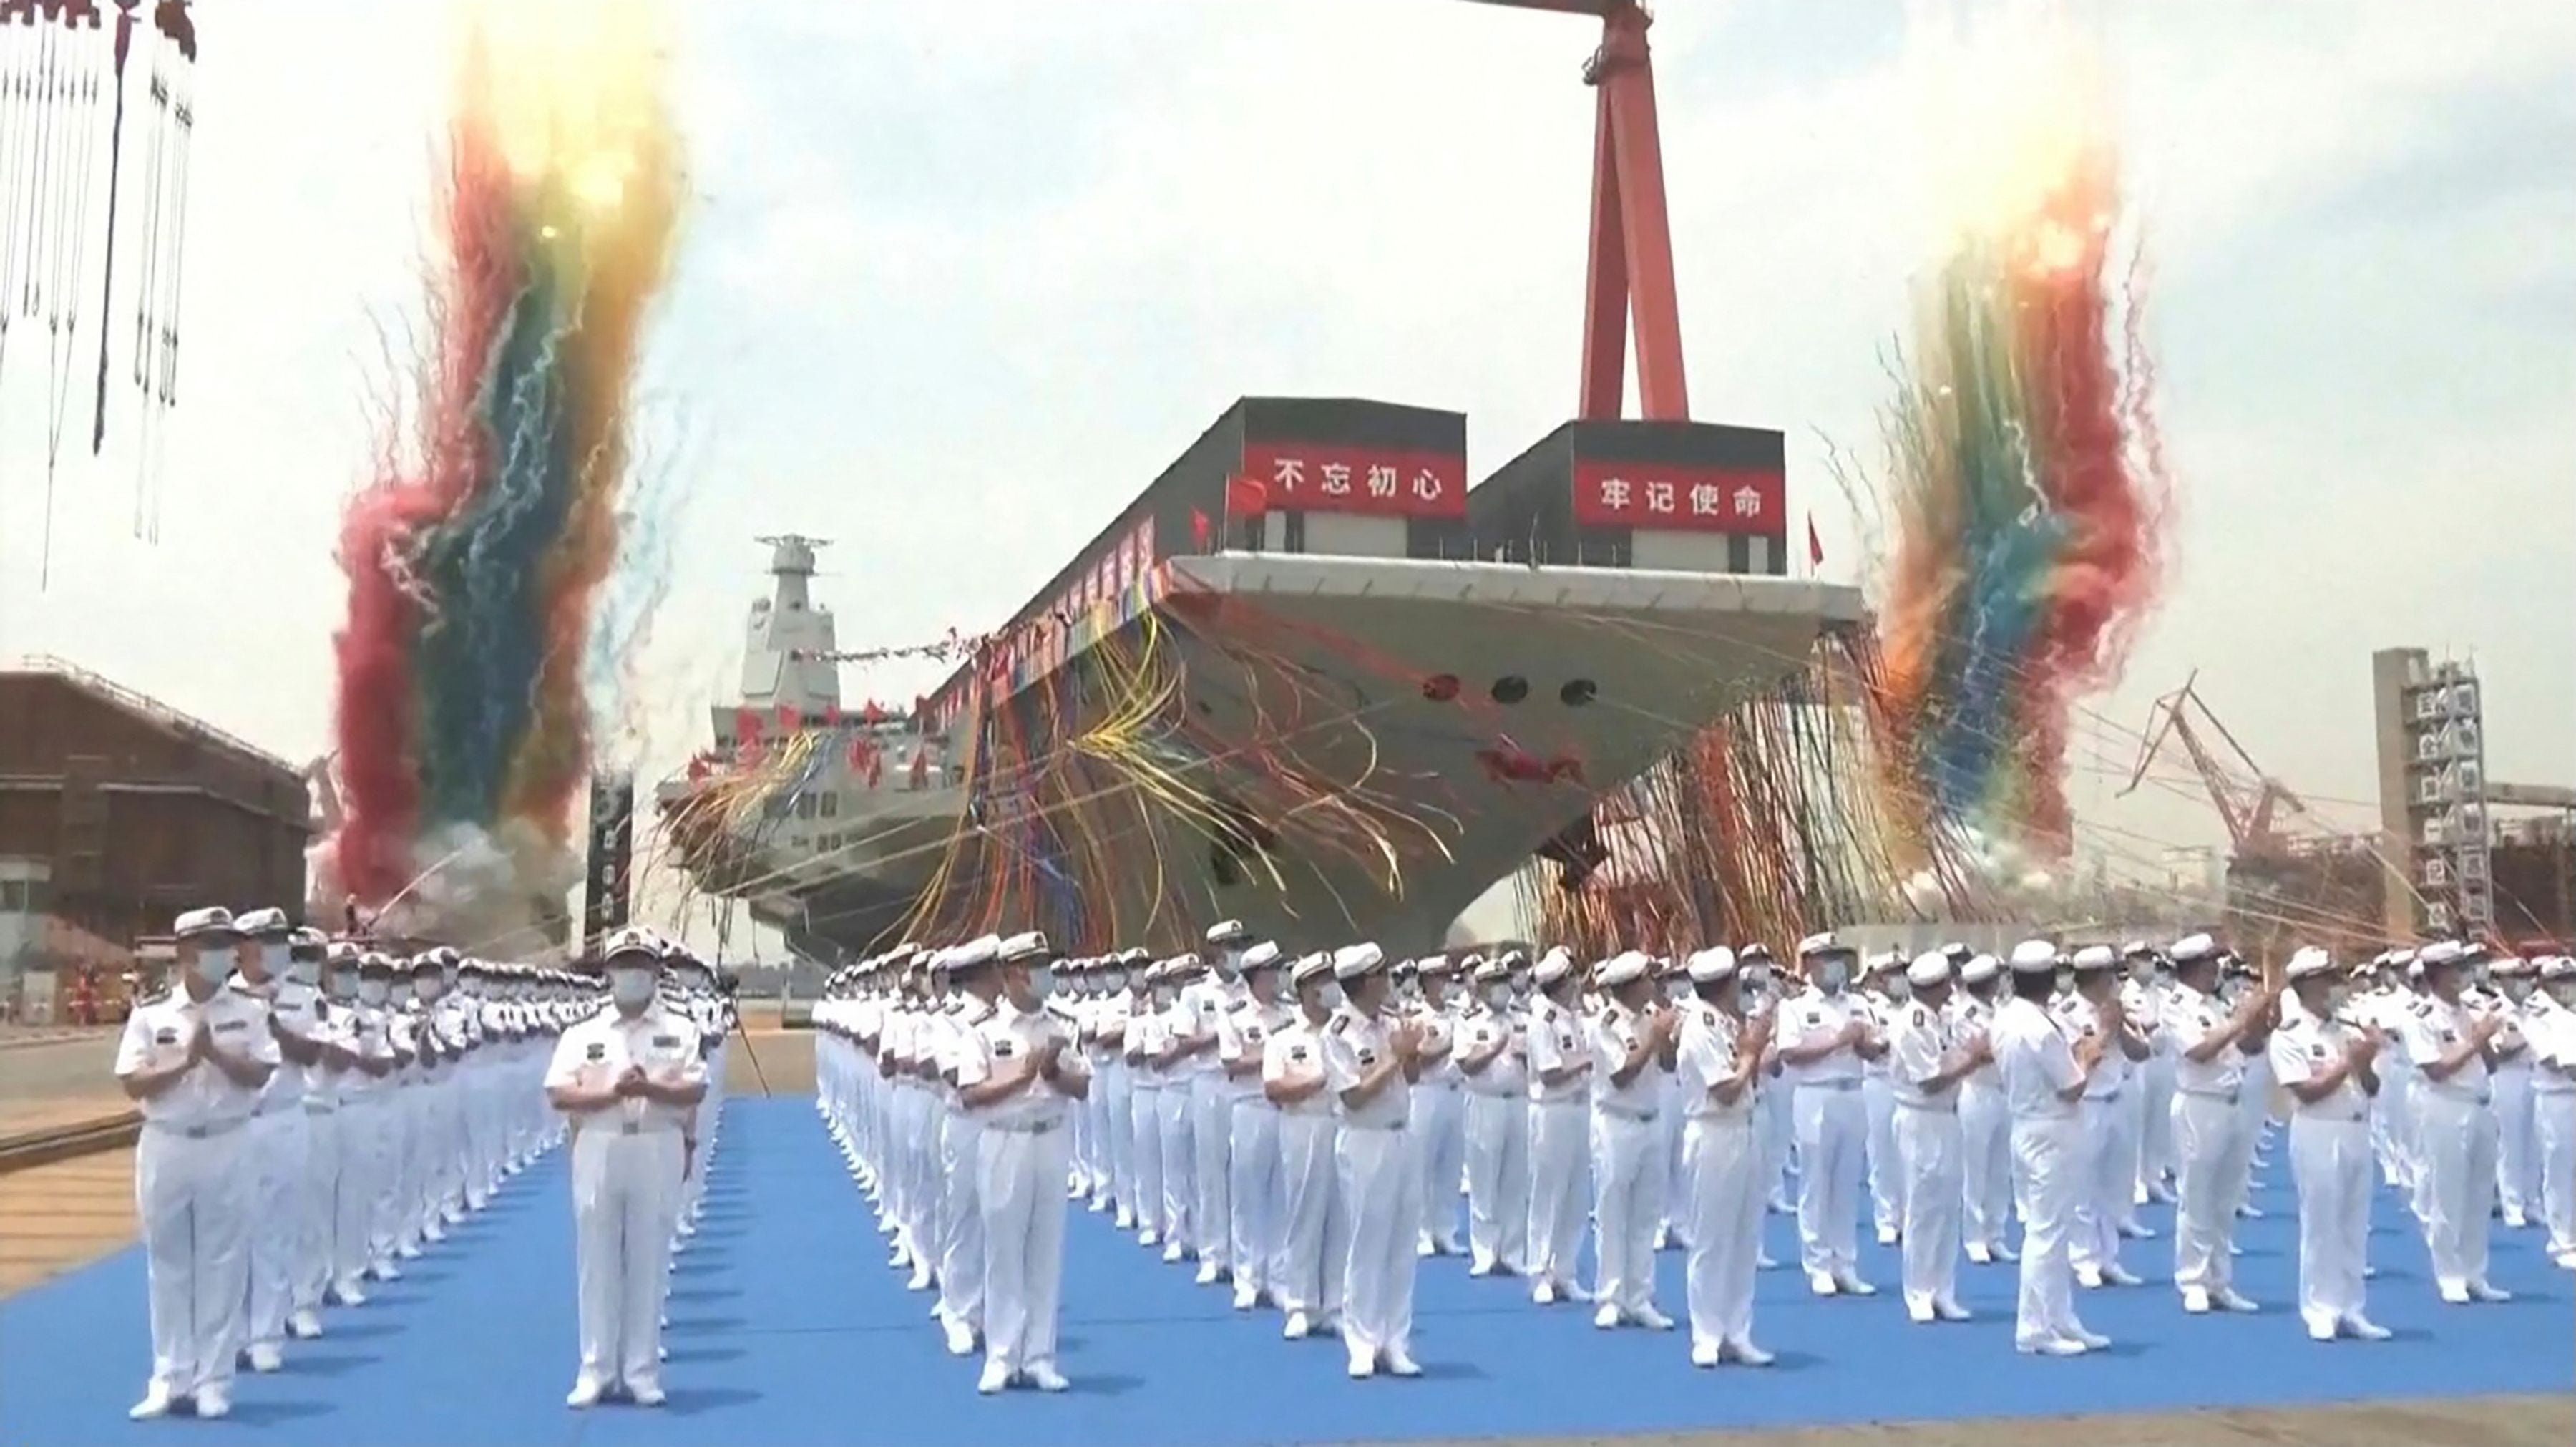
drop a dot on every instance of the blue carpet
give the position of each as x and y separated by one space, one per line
786 1327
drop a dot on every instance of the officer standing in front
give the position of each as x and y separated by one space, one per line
2043 1079
2455 1119
1718 1065
1929 1058
1369 1065
1826 1035
194 1060
2329 1066
625 1079
1019 1073
1632 1064
2212 1137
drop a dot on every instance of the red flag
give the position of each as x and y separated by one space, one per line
832 717
746 727
697 768
872 713
1246 497
861 749
787 717
1815 544
1199 527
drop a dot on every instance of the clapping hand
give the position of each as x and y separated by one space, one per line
630 1081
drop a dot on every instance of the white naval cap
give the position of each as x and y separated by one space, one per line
1227 932
981 950
1822 943
2192 949
1435 965
1710 965
1309 967
1553 966
2308 962
1493 971
2440 953
1929 968
2558 967
1261 956
1020 948
263 924
2509 967
1350 962
1880 962
1625 967
1181 966
212 922
2034 957
2095 957
632 941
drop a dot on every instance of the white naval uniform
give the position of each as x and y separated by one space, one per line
1629 1172
1315 1246
625 1186
1932 1152
2456 1125
1559 1123
961 1216
1176 1122
2509 1082
2213 1142
1886 1166
1985 1136
1205 1004
2037 1063
1832 1127
1440 1127
1497 1129
2106 1158
368 1125
1382 1182
2392 1125
327 1088
2151 1101
1728 1181
1148 1035
276 1152
1023 1149
2551 1029
2330 1161
1256 1205
1114 1120
192 1183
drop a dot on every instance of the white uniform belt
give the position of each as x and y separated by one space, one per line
1839 1082
1373 1125
2552 1085
2331 1115
1929 1107
2205 1092
313 1106
1503 1093
1643 1114
2457 1097
275 1107
2105 1098
1023 1127
1558 1100
635 1127
207 1131
1711 1117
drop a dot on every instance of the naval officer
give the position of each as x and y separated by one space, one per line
1370 1061
195 1060
2329 1066
1718 1065
2044 1076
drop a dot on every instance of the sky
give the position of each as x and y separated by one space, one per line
958 281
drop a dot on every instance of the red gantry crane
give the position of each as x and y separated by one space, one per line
2246 808
1629 278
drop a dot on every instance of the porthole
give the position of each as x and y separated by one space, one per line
1440 687
1510 688
1579 692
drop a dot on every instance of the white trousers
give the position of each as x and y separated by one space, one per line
1117 1135
1628 1174
1557 1131
317 1246
2392 1126
1886 1167
1253 1191
1145 1110
1382 1180
359 1126
2106 1181
192 1199
1933 1149
1317 1244
1211 1134
1774 1125
2459 1145
1985 1141
2213 1142
1440 1125
1833 1135
2553 1118
625 1196
1498 1180
1729 1180
2517 1143
391 1217
2330 1163
2155 1122
1175 1112
275 1158
2045 1163
1019 1188
961 1221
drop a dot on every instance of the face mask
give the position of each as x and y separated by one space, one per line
1899 988
275 960
210 966
1497 996
1330 997
1520 984
343 986
1115 982
2141 970
2564 992
1677 988
630 988
304 972
2517 990
2231 990
2337 997
1041 982
1831 975
374 992
1757 977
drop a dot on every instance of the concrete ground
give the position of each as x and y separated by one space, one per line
58 1217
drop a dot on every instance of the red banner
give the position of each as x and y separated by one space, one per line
1380 481
1679 498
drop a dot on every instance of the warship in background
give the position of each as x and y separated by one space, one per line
1529 646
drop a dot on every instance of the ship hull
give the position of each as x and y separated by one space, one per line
1335 749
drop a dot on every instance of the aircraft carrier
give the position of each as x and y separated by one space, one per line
1456 675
